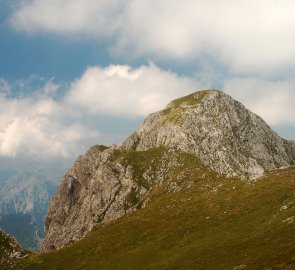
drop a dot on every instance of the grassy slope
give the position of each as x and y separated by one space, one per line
214 224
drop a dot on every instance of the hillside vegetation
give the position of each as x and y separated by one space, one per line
194 219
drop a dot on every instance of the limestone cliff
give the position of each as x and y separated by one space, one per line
210 126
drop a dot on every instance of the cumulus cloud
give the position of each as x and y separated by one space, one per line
66 17
37 126
42 138
4 87
272 100
123 91
251 36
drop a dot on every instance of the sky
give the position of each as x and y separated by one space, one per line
79 72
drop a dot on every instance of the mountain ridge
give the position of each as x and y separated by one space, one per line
109 182
25 191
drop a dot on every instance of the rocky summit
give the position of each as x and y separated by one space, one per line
219 130
196 136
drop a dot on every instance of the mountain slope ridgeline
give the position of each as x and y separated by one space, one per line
207 126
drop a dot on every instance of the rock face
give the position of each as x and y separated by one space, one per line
209 125
219 130
93 190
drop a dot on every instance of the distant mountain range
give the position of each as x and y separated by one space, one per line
25 193
24 228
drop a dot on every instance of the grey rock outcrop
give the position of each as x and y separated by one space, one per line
210 125
92 191
219 130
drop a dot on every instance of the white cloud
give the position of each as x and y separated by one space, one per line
35 126
251 36
70 17
272 100
123 91
4 87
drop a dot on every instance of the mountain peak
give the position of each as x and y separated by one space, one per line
219 130
214 101
201 136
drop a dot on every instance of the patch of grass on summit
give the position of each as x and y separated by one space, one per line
191 99
176 111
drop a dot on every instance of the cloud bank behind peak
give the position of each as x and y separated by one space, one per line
46 124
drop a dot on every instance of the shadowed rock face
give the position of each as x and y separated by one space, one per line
92 191
219 130
210 125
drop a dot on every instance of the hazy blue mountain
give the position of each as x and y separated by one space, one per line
5 175
24 228
25 192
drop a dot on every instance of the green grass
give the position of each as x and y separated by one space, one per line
140 162
157 168
191 99
177 110
208 223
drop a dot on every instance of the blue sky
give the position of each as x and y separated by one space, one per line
23 55
75 73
